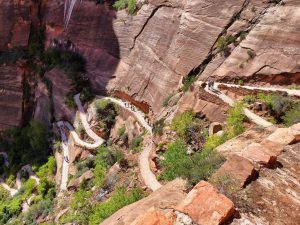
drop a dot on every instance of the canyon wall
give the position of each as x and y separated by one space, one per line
148 54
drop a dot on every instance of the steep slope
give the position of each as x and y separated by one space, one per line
169 38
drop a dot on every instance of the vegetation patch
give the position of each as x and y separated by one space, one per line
118 200
130 5
201 164
281 109
106 113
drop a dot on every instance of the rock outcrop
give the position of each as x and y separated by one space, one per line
206 206
164 199
270 52
274 198
61 86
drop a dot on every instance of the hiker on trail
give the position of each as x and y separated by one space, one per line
209 84
212 85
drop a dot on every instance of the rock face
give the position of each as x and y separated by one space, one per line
61 86
43 104
200 101
206 206
11 95
285 136
169 38
275 37
237 168
274 198
164 199
74 183
259 154
14 23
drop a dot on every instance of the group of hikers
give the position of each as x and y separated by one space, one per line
134 109
210 84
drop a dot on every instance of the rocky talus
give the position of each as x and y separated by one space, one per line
257 185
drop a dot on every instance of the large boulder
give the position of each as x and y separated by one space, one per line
237 168
75 183
163 199
259 154
206 206
285 136
273 147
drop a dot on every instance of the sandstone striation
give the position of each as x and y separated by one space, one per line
169 38
274 197
273 43
11 95
14 23
61 87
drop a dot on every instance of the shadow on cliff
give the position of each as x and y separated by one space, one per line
91 31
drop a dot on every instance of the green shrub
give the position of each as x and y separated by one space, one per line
70 102
181 122
188 81
123 4
205 163
118 200
86 95
280 105
251 54
29 145
166 101
240 82
132 7
29 187
106 113
249 99
177 162
68 61
137 143
11 180
198 166
4 194
9 209
105 158
81 208
292 116
121 131
42 208
158 127
224 41
234 121
265 99
46 187
214 141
